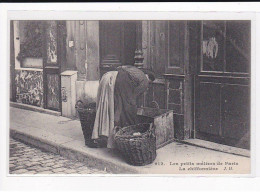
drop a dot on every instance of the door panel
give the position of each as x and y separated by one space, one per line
51 69
53 94
209 120
129 42
222 110
236 115
117 44
111 40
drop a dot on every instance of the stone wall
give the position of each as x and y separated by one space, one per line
176 103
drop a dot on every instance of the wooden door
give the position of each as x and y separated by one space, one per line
51 68
222 83
117 44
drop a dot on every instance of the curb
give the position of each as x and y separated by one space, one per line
34 108
73 154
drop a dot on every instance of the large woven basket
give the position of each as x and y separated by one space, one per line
87 115
137 150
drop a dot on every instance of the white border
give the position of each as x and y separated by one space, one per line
92 11
127 15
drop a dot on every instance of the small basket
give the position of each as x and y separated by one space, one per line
138 150
87 115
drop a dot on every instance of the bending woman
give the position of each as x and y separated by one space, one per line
116 101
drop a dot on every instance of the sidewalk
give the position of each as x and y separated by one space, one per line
64 136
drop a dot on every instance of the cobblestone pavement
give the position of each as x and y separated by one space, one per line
28 160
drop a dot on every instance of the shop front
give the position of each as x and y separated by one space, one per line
222 83
202 68
37 62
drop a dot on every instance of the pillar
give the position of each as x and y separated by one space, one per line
139 58
92 50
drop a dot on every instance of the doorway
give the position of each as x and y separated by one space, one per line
222 83
52 66
117 44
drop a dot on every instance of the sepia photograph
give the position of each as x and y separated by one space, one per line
130 97
114 95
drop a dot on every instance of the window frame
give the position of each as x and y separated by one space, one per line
22 60
224 72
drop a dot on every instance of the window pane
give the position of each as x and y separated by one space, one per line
238 46
174 43
213 45
31 42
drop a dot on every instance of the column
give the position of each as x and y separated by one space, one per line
139 58
92 50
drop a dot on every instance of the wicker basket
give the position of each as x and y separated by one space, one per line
138 149
87 115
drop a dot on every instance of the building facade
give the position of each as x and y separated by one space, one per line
202 69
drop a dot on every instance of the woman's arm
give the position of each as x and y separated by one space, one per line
142 87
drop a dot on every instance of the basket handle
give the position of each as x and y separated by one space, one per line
116 128
152 130
78 103
156 104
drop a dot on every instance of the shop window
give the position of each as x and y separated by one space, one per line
31 44
213 45
225 46
237 46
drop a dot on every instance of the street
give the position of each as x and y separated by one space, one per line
28 160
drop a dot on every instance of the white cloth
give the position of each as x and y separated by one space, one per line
104 121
